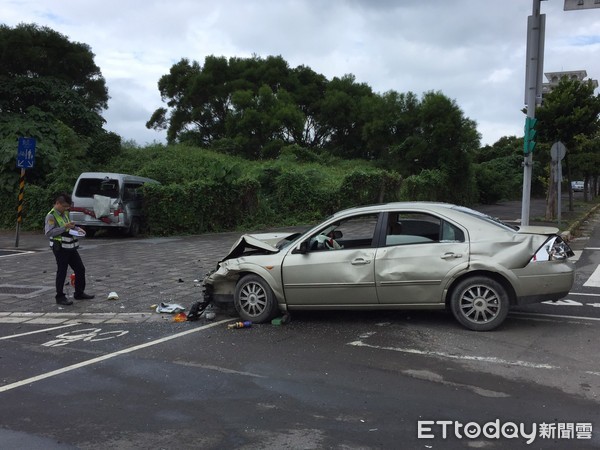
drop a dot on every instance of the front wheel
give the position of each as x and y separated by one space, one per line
254 299
479 303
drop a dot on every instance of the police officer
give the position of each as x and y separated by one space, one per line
59 229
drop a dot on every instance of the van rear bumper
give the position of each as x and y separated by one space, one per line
85 217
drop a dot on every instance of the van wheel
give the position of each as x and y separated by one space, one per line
134 227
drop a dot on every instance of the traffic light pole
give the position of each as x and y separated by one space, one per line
533 95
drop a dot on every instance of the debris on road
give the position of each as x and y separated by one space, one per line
235 325
169 308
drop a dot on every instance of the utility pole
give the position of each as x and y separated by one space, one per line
536 24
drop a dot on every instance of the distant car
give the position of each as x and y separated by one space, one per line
577 186
396 256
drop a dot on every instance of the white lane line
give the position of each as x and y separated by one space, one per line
89 362
594 279
552 316
486 359
584 293
37 331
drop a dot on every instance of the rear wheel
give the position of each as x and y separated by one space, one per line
134 227
479 303
254 299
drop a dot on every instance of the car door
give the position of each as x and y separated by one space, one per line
340 274
419 254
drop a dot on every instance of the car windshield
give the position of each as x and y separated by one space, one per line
486 218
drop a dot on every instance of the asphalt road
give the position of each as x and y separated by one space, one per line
115 374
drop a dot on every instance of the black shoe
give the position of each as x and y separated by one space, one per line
84 296
63 301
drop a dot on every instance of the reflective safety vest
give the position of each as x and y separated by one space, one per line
65 240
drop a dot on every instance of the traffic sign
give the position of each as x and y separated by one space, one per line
26 153
558 151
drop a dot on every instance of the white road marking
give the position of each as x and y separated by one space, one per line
594 279
219 369
37 331
585 294
437 378
551 316
486 359
74 318
16 252
564 302
89 362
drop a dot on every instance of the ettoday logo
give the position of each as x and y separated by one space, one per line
432 429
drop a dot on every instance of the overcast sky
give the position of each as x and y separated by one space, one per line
473 51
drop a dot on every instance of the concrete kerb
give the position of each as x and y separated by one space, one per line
568 234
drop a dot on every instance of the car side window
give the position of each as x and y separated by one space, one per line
451 233
132 191
354 232
418 228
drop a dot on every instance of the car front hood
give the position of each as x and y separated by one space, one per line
263 242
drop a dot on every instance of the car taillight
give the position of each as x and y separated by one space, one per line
554 249
118 211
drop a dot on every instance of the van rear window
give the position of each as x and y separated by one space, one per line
88 187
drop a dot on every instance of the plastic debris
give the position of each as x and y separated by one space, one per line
210 315
180 317
197 309
113 296
245 324
169 308
283 320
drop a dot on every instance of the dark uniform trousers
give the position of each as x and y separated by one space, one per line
68 257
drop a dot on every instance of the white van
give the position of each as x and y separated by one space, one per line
104 200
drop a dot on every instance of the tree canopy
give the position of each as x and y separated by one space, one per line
51 90
570 113
255 107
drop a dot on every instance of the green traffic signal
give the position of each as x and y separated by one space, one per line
530 134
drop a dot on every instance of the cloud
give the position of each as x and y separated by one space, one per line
473 51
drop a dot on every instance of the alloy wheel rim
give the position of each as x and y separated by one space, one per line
480 304
253 299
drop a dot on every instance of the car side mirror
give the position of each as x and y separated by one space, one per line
302 248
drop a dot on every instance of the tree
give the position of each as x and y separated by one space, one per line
50 90
569 113
498 170
40 67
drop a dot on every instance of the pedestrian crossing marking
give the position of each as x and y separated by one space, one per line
594 279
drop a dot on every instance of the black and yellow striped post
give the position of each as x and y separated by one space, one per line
25 160
20 204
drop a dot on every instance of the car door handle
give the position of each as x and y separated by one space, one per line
451 255
360 262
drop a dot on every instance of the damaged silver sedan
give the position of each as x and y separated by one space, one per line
396 256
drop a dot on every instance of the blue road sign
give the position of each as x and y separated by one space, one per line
26 153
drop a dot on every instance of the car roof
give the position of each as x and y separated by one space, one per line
431 206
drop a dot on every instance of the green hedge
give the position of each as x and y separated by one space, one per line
202 191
